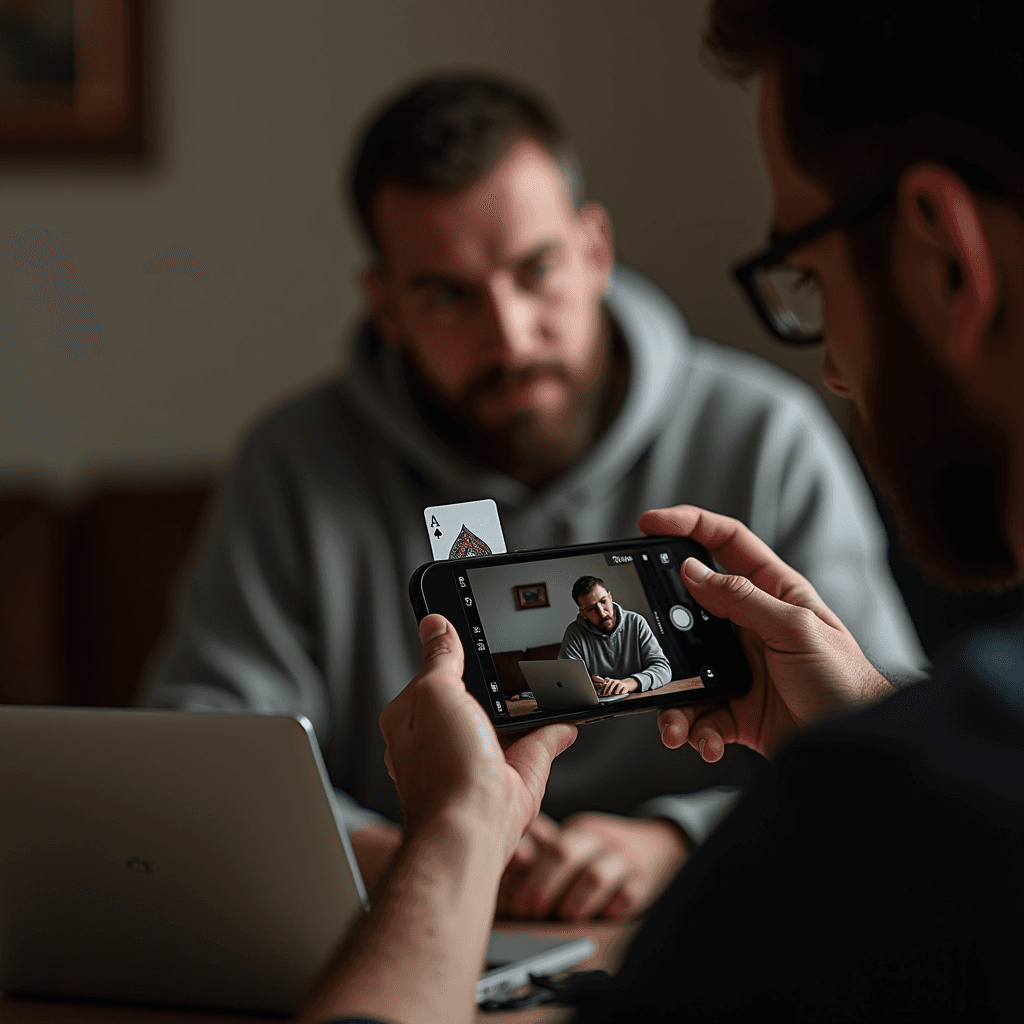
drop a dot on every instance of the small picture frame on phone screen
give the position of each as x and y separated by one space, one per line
531 595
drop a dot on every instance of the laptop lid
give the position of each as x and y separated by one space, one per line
168 857
564 683
184 858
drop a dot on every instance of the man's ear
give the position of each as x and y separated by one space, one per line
600 240
943 263
380 298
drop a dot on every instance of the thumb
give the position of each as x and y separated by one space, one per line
442 649
776 622
442 664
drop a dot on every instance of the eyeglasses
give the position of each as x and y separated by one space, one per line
788 299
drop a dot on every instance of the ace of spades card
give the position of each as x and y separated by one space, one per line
468 529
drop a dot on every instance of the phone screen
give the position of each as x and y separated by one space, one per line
619 611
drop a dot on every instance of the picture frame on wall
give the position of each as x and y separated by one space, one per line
73 80
531 595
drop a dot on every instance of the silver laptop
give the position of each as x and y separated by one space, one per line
170 857
564 683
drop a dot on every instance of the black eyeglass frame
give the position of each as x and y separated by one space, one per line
860 205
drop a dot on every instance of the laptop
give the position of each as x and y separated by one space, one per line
182 858
564 683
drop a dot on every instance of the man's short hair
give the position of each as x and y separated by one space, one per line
584 585
871 86
447 132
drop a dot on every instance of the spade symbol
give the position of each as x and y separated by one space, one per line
437 533
468 545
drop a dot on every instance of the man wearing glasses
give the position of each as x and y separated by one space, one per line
875 868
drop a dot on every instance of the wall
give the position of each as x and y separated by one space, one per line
509 628
147 317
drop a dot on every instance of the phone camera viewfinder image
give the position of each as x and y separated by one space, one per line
592 630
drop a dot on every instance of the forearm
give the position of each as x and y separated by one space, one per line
430 922
655 673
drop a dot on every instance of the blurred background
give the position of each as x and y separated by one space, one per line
222 272
177 266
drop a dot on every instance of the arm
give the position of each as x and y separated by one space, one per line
467 803
656 671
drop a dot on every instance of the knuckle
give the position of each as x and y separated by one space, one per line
593 876
560 854
739 586
804 620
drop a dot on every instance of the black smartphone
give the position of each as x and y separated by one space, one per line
630 636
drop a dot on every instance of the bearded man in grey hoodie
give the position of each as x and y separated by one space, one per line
619 648
506 355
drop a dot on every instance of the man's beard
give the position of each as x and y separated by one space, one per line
530 445
941 464
527 441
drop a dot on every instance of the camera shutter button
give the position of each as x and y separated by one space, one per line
680 617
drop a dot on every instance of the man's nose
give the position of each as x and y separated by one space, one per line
832 377
516 338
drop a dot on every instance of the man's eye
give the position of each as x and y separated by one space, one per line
536 272
448 296
807 281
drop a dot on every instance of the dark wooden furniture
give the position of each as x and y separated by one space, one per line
86 589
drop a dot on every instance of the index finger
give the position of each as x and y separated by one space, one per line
740 552
531 755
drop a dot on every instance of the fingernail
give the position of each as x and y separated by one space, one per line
696 569
700 746
431 636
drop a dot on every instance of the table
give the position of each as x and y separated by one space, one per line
611 940
529 704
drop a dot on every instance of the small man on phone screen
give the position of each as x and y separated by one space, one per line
617 645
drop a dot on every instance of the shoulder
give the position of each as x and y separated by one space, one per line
573 629
734 392
308 438
748 385
313 413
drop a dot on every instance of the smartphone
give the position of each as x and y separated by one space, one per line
514 611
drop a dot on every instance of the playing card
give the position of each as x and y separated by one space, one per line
465 530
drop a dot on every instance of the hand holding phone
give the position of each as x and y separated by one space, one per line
806 662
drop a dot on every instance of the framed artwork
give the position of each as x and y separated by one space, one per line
73 79
531 595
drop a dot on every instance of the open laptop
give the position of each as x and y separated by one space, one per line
564 683
171 857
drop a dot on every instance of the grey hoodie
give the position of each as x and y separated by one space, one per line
630 649
298 602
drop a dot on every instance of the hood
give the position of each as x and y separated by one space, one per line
658 341
591 628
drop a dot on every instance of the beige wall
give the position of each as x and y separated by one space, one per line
224 276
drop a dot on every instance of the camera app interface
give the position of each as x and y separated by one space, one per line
589 630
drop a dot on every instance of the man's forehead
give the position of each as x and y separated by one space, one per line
594 596
521 204
797 198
